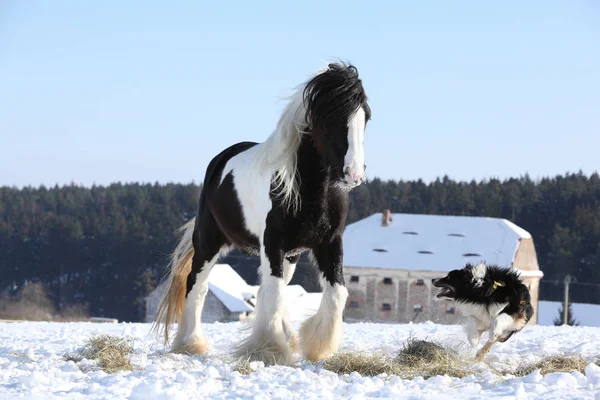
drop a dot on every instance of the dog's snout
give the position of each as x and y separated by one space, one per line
434 280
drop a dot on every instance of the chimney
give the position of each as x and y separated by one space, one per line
386 218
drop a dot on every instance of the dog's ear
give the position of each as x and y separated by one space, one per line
478 273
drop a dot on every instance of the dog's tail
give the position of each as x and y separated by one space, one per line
180 266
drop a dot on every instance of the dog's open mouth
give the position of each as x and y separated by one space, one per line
445 292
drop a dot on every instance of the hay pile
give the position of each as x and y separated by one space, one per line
111 353
426 359
553 364
365 364
416 358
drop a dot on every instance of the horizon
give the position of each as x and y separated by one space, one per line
536 180
139 92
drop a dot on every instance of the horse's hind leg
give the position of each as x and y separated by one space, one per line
321 334
268 341
209 244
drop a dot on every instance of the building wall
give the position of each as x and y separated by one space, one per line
526 256
407 297
526 259
534 285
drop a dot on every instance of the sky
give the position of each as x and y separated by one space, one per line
113 91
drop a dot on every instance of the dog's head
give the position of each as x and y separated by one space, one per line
460 280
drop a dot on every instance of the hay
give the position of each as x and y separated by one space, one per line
553 364
111 353
424 358
243 367
365 364
416 358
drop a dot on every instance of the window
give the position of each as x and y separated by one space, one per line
420 282
387 281
380 250
386 307
354 304
354 279
418 308
450 310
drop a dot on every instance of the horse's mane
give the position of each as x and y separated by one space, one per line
331 92
278 152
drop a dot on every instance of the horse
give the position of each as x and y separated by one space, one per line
277 199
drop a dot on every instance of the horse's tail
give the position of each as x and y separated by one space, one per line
180 266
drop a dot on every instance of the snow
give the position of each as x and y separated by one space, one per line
444 239
32 366
584 314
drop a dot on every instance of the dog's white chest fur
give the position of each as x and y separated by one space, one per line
484 316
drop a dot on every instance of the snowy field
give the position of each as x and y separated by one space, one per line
32 366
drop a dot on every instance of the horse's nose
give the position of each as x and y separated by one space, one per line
353 175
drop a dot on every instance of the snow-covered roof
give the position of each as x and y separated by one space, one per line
584 314
430 242
230 288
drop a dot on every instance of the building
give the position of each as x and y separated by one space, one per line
230 298
390 259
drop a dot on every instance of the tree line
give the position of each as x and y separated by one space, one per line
106 247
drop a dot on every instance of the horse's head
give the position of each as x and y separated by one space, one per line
336 115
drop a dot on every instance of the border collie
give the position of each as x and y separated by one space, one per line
495 299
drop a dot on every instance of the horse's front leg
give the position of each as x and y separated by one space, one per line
268 341
321 334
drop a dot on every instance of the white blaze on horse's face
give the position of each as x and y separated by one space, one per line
354 161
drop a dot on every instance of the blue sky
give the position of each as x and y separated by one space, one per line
150 91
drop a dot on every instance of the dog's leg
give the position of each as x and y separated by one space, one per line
473 332
503 323
484 350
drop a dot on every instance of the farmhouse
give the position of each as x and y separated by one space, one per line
390 259
227 299
230 298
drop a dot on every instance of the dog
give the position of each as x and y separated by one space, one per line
495 299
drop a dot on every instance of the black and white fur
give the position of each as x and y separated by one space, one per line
277 199
495 299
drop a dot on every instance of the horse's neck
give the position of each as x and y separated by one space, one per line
315 178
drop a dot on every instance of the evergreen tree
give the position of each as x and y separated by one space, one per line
107 246
570 319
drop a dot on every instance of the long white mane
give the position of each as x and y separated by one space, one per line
278 152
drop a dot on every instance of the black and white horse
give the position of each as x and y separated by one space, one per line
277 199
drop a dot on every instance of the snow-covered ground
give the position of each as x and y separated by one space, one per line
32 366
